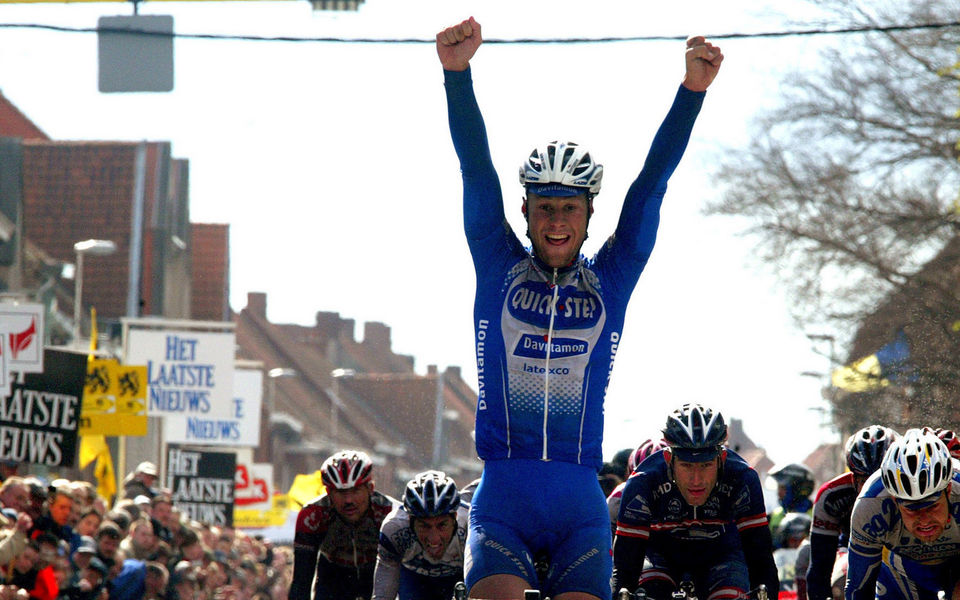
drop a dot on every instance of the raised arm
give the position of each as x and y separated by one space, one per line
640 217
482 197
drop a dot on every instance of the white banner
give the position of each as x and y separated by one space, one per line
23 348
190 379
240 428
254 486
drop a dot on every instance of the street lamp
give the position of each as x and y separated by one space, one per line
335 405
93 248
274 374
274 441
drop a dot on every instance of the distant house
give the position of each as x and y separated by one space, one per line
356 394
923 389
55 193
739 442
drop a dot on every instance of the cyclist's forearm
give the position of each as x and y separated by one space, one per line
757 549
386 580
628 555
862 574
304 571
823 554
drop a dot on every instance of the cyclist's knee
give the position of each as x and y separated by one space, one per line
499 587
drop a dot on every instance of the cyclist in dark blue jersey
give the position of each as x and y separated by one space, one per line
547 325
694 511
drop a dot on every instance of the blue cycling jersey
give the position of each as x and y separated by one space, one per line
546 338
656 520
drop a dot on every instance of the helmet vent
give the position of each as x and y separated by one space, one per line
912 463
905 484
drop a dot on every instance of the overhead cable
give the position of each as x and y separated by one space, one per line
568 40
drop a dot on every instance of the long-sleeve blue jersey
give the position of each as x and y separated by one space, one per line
546 338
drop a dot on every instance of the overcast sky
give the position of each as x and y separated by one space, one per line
334 168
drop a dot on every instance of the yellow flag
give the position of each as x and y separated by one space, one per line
305 488
106 478
95 447
861 376
91 446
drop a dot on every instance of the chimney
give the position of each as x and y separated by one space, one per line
454 371
377 335
347 327
257 304
327 323
432 369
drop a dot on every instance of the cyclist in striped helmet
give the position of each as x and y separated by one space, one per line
335 540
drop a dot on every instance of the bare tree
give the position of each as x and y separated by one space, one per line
850 186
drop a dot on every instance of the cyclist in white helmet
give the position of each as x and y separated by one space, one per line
335 540
429 563
547 323
904 537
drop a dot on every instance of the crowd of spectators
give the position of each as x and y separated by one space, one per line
61 540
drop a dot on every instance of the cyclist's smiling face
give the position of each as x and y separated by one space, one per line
695 480
557 226
435 533
927 523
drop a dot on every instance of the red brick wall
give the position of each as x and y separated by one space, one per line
210 249
75 191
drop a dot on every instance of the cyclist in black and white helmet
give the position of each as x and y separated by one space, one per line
428 564
864 451
904 535
695 508
335 540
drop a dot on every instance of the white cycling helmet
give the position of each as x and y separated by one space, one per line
916 466
564 163
346 469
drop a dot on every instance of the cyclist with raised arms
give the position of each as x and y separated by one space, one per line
695 509
547 324
904 537
335 540
421 542
864 452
